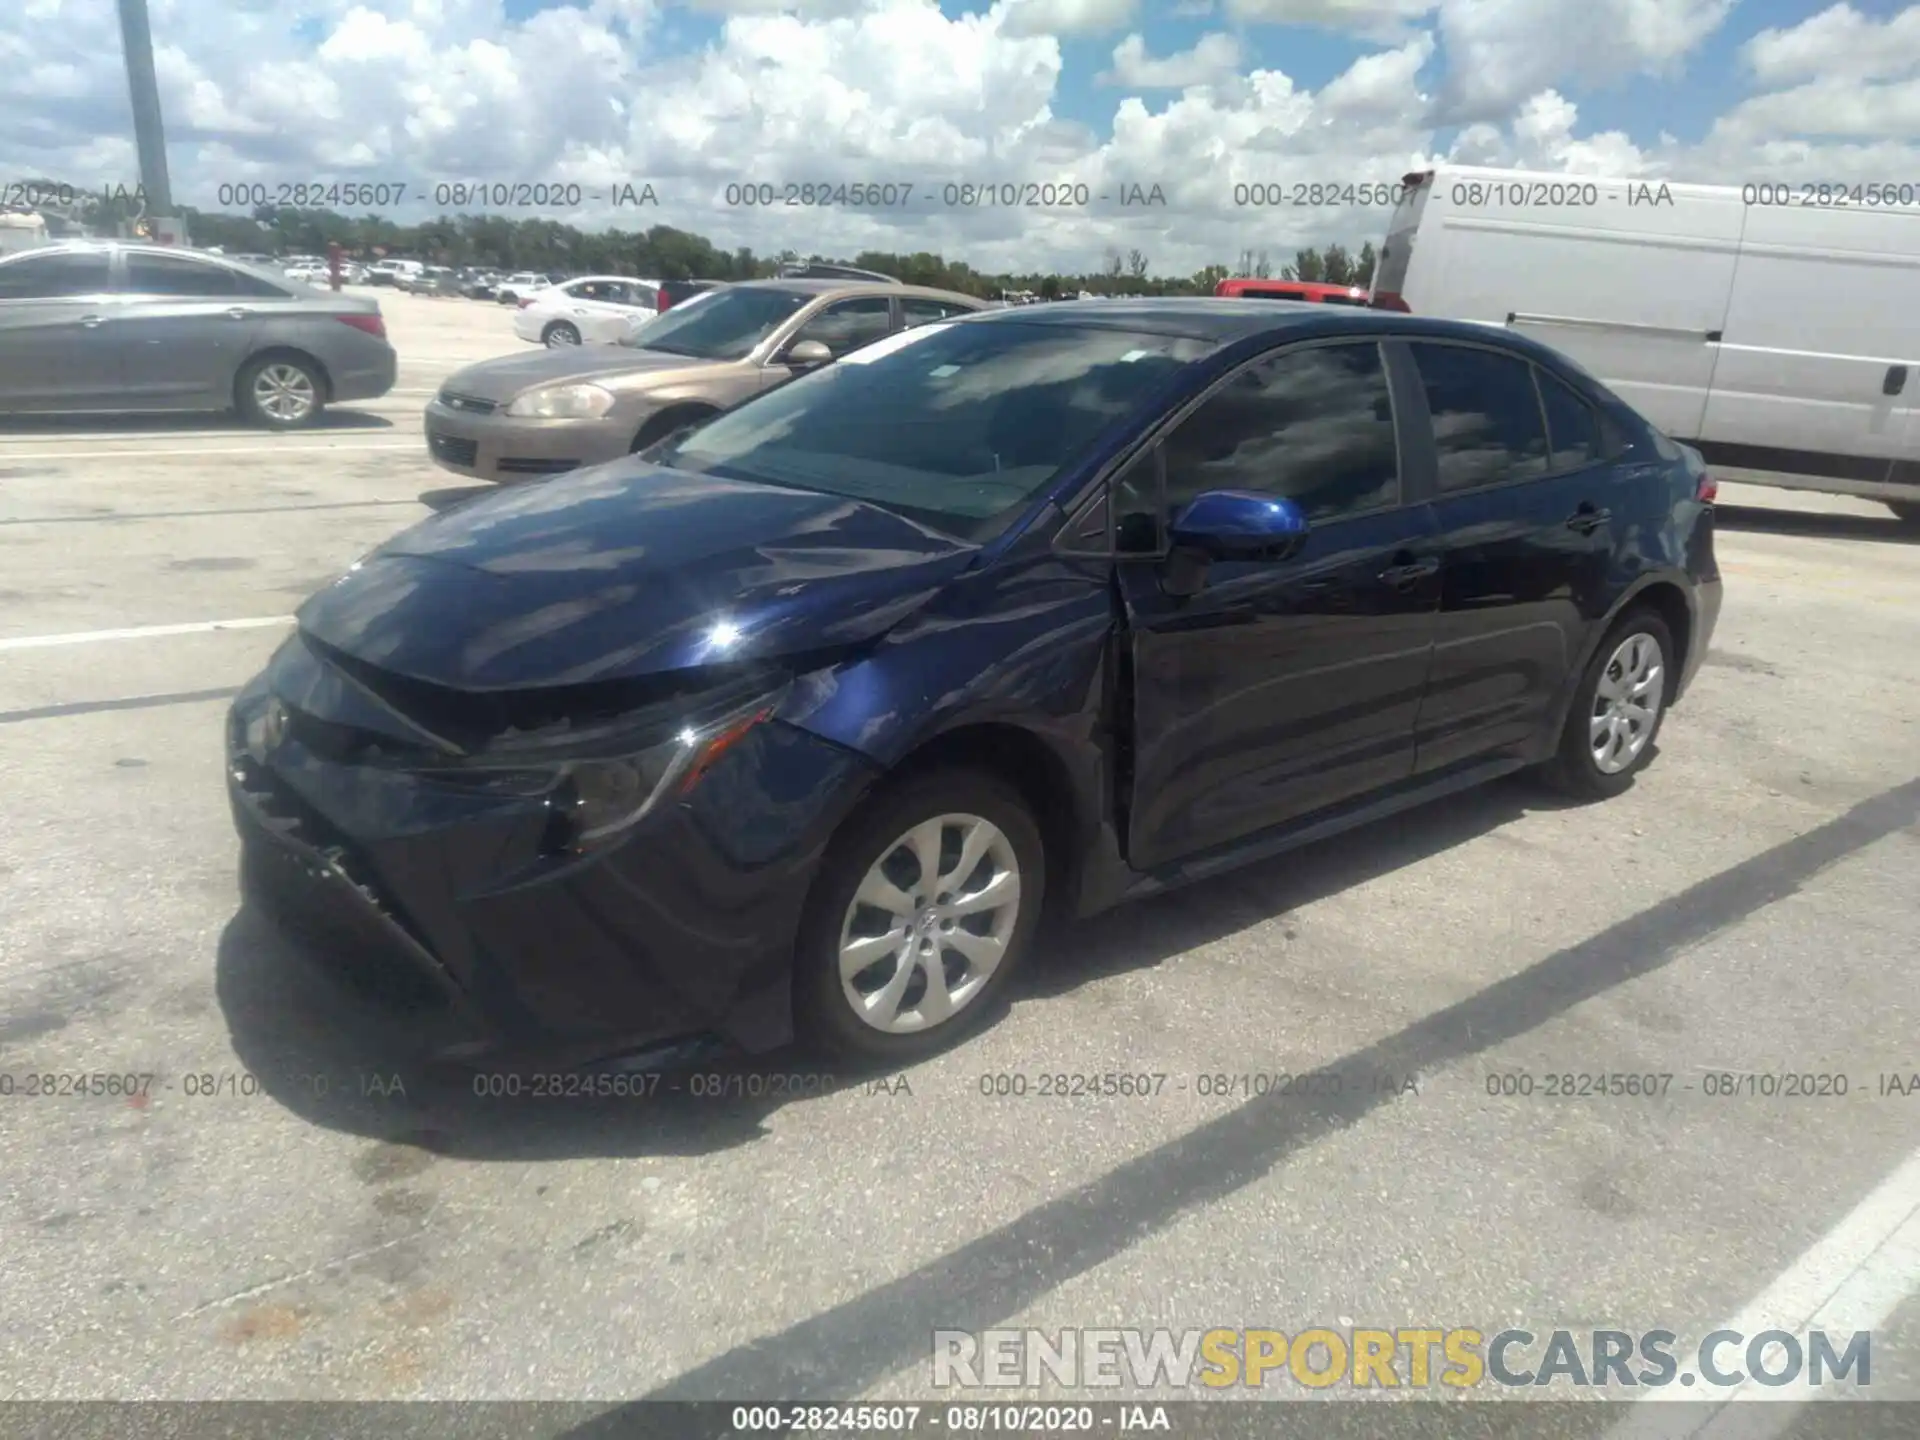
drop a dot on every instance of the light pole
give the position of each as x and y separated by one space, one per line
136 38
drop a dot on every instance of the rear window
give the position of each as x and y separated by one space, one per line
1573 426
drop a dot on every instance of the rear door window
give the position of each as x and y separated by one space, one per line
1573 428
1487 425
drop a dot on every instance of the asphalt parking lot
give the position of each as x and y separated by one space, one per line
328 1224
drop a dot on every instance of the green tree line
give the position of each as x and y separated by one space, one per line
662 252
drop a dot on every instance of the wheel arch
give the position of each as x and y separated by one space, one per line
1039 773
663 422
1667 595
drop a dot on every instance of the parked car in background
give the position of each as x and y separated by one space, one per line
430 280
1313 292
800 722
542 413
307 272
1777 338
674 292
481 285
594 310
515 287
116 326
391 271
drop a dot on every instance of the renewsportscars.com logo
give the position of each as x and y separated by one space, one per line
1418 1358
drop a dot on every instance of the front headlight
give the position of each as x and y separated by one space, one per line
592 799
562 402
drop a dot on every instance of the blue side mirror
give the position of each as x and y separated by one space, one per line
1239 524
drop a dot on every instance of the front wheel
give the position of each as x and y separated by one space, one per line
923 910
281 392
1617 710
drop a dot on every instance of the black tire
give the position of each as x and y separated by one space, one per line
824 1017
559 333
283 374
1574 771
1907 512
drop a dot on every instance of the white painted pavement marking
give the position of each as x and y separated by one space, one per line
142 632
1853 1278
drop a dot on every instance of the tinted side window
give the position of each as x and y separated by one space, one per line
849 324
1573 429
46 277
1314 425
177 275
919 310
1486 415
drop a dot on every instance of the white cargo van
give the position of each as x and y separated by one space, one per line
21 232
1774 327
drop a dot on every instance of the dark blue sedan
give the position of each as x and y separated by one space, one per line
799 721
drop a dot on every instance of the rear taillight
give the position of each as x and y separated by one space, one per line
525 302
1387 300
372 324
1707 491
661 300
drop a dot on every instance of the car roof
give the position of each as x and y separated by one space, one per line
853 287
1225 321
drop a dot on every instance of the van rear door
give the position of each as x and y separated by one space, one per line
1820 353
1396 253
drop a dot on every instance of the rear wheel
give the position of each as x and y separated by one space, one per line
923 911
559 334
1617 710
281 392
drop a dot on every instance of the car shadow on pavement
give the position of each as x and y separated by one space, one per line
1815 524
352 1056
173 422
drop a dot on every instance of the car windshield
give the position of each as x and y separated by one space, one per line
725 325
958 425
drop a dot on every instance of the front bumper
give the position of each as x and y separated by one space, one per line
681 933
491 446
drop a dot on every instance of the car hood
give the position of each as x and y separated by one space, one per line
628 570
506 377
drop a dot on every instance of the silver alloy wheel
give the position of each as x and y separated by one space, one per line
284 392
930 923
1626 703
562 335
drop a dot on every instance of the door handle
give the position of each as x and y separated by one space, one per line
1896 380
92 322
1587 519
1401 577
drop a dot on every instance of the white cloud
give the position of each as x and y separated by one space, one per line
1025 18
1213 57
893 90
1837 44
1501 51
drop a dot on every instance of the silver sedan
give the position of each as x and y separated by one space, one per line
108 326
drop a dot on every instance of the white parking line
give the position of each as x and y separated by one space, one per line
142 632
149 452
1853 1278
